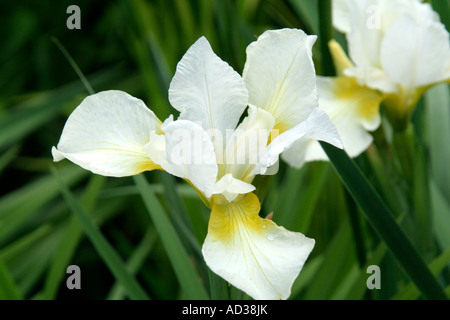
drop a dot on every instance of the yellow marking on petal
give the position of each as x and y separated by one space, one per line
368 100
340 59
148 165
279 128
229 218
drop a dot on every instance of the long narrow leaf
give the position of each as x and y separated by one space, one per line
383 222
135 262
184 270
8 288
104 249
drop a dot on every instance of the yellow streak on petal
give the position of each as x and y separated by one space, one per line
147 165
227 218
367 100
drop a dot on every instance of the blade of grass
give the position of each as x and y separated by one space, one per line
443 8
336 263
43 107
21 204
441 215
184 270
383 222
22 244
326 34
410 292
218 287
135 262
311 196
307 10
8 156
8 287
306 276
68 243
437 100
104 249
74 65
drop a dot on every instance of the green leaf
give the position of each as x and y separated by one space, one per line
336 262
326 34
8 287
383 222
135 262
24 243
184 270
104 249
410 292
307 10
443 8
18 206
441 215
43 107
437 101
69 241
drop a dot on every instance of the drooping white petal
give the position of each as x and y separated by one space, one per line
106 134
318 126
207 90
186 151
254 254
231 187
416 55
280 75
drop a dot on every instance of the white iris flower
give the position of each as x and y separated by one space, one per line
397 50
114 134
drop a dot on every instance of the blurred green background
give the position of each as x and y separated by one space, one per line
134 46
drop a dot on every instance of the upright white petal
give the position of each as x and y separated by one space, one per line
246 144
106 134
207 90
254 254
186 151
341 16
416 55
280 75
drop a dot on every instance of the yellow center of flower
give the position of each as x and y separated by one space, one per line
237 217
